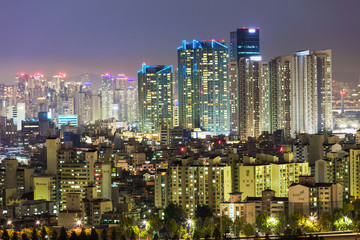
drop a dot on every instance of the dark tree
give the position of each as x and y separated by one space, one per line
132 236
43 234
175 211
24 236
34 234
249 230
54 235
262 222
82 235
217 234
5 235
104 235
203 211
197 234
63 234
94 235
15 236
73 236
113 234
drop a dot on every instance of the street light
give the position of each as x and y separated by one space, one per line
9 223
189 222
78 223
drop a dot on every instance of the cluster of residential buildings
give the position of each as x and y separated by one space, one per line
224 129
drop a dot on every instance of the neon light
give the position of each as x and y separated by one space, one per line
106 75
165 68
255 58
224 46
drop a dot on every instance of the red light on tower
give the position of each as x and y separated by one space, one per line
182 149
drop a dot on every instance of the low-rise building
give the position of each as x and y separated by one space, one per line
310 198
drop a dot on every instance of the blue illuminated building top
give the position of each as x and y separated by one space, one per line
244 42
155 69
202 44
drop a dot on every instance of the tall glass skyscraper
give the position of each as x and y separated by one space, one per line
155 98
203 86
107 95
244 42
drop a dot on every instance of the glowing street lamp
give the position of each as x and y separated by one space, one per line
79 223
189 222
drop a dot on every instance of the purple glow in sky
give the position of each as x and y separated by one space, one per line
117 36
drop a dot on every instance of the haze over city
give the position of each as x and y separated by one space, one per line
158 120
118 36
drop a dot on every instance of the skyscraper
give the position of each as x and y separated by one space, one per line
301 93
203 86
125 99
132 103
244 42
107 95
155 98
312 92
280 104
253 85
120 97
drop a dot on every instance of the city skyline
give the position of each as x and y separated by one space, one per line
83 47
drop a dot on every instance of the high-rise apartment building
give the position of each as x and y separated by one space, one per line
107 95
125 99
155 98
120 97
312 92
301 93
192 183
17 113
253 95
280 104
255 178
203 86
77 169
95 106
132 101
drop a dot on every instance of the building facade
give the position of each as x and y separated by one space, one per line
203 86
155 98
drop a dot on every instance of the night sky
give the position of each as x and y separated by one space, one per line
117 36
